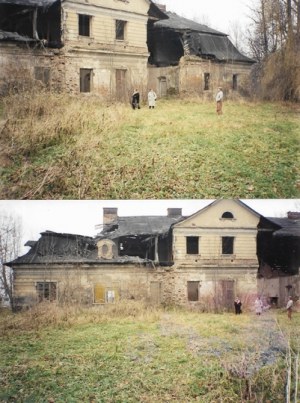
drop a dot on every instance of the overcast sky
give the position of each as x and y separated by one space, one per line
81 217
218 14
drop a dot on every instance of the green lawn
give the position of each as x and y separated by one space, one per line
79 149
155 356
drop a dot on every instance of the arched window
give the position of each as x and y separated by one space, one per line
227 214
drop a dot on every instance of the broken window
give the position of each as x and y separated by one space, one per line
206 81
42 74
120 30
193 290
234 82
227 215
85 80
84 24
46 290
227 245
192 245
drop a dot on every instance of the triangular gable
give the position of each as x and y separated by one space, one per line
211 216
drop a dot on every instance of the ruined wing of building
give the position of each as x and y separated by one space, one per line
205 260
109 47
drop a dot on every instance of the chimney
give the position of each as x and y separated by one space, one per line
174 212
162 7
293 215
110 214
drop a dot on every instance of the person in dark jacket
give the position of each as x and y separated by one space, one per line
238 306
135 100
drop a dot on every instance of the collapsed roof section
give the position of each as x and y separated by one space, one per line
58 248
31 21
169 40
278 243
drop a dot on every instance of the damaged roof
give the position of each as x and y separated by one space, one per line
53 247
286 226
30 3
202 40
14 36
142 225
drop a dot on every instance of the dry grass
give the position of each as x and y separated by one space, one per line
58 146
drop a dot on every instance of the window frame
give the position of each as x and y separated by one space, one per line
192 242
44 293
229 247
120 31
84 27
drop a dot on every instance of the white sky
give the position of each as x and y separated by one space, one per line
81 217
217 14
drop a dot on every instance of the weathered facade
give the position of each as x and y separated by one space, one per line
204 260
278 249
110 47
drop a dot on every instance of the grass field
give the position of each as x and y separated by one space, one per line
133 354
55 146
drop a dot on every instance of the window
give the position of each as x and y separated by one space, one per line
85 80
234 82
105 295
227 215
227 245
42 74
193 290
120 30
46 290
206 81
84 23
192 245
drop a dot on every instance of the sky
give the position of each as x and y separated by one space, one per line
218 14
81 217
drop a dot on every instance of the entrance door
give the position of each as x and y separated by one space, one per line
227 291
162 86
155 292
121 85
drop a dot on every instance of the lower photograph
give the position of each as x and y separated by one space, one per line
150 300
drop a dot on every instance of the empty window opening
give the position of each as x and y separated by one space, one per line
192 245
227 245
206 81
120 30
234 82
84 24
42 74
193 290
85 80
227 214
47 291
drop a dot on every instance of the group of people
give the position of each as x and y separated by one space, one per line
135 99
259 306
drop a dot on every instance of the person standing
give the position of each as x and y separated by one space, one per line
219 101
258 306
238 306
289 307
151 99
135 100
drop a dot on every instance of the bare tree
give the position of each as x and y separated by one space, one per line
10 241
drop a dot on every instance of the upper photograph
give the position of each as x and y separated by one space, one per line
136 99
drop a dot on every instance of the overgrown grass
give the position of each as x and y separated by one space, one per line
130 353
56 146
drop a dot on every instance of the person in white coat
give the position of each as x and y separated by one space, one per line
258 306
151 99
289 307
219 101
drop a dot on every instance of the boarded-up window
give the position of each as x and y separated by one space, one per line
46 290
162 86
235 82
193 290
85 80
155 292
105 295
227 245
192 245
84 24
120 30
121 85
206 81
42 74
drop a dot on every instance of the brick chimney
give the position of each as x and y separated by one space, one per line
293 215
110 214
174 212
